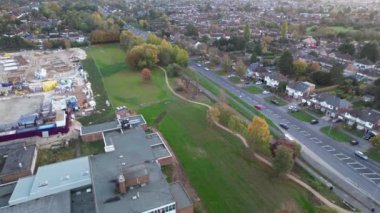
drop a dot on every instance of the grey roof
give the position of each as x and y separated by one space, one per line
334 101
131 151
52 179
5 193
277 76
57 203
299 86
364 61
108 126
369 115
17 153
181 198
160 151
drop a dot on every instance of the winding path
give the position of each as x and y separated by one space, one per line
259 157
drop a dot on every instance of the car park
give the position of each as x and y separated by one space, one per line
284 126
314 121
361 155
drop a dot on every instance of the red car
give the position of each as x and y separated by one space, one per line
259 107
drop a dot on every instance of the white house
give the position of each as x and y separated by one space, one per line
273 79
300 89
364 64
364 118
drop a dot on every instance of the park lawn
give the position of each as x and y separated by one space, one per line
302 116
221 170
124 86
336 134
281 101
253 89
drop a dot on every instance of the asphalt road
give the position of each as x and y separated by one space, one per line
362 174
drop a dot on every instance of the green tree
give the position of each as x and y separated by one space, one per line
182 57
258 131
191 30
153 39
347 48
253 58
300 67
146 74
284 30
283 161
129 40
142 56
370 51
285 63
241 68
226 63
247 33
174 70
336 73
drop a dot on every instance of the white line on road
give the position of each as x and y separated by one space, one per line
342 156
328 148
356 163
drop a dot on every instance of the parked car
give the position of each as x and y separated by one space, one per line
368 136
199 65
361 155
275 102
354 142
314 121
207 69
259 107
336 120
293 108
284 126
265 92
259 82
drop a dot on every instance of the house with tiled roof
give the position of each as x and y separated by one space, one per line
300 89
331 105
273 79
365 119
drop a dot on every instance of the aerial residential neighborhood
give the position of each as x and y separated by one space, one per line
160 106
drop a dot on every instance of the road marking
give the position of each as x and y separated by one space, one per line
361 166
328 148
342 156
294 126
316 140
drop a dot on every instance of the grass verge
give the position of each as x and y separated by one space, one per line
302 116
336 134
253 89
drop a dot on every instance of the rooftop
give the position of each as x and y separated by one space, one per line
108 126
181 198
19 157
132 151
52 179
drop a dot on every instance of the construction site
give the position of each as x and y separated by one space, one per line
41 91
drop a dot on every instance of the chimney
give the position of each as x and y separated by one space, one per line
122 187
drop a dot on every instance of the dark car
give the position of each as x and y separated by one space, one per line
368 136
354 142
284 126
275 102
314 121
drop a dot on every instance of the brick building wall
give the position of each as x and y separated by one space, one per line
92 137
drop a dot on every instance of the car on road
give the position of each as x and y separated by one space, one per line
259 107
259 83
314 121
265 92
354 142
207 69
360 155
284 126
275 102
199 65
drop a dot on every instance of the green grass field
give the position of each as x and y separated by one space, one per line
253 89
302 116
221 170
336 134
374 154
